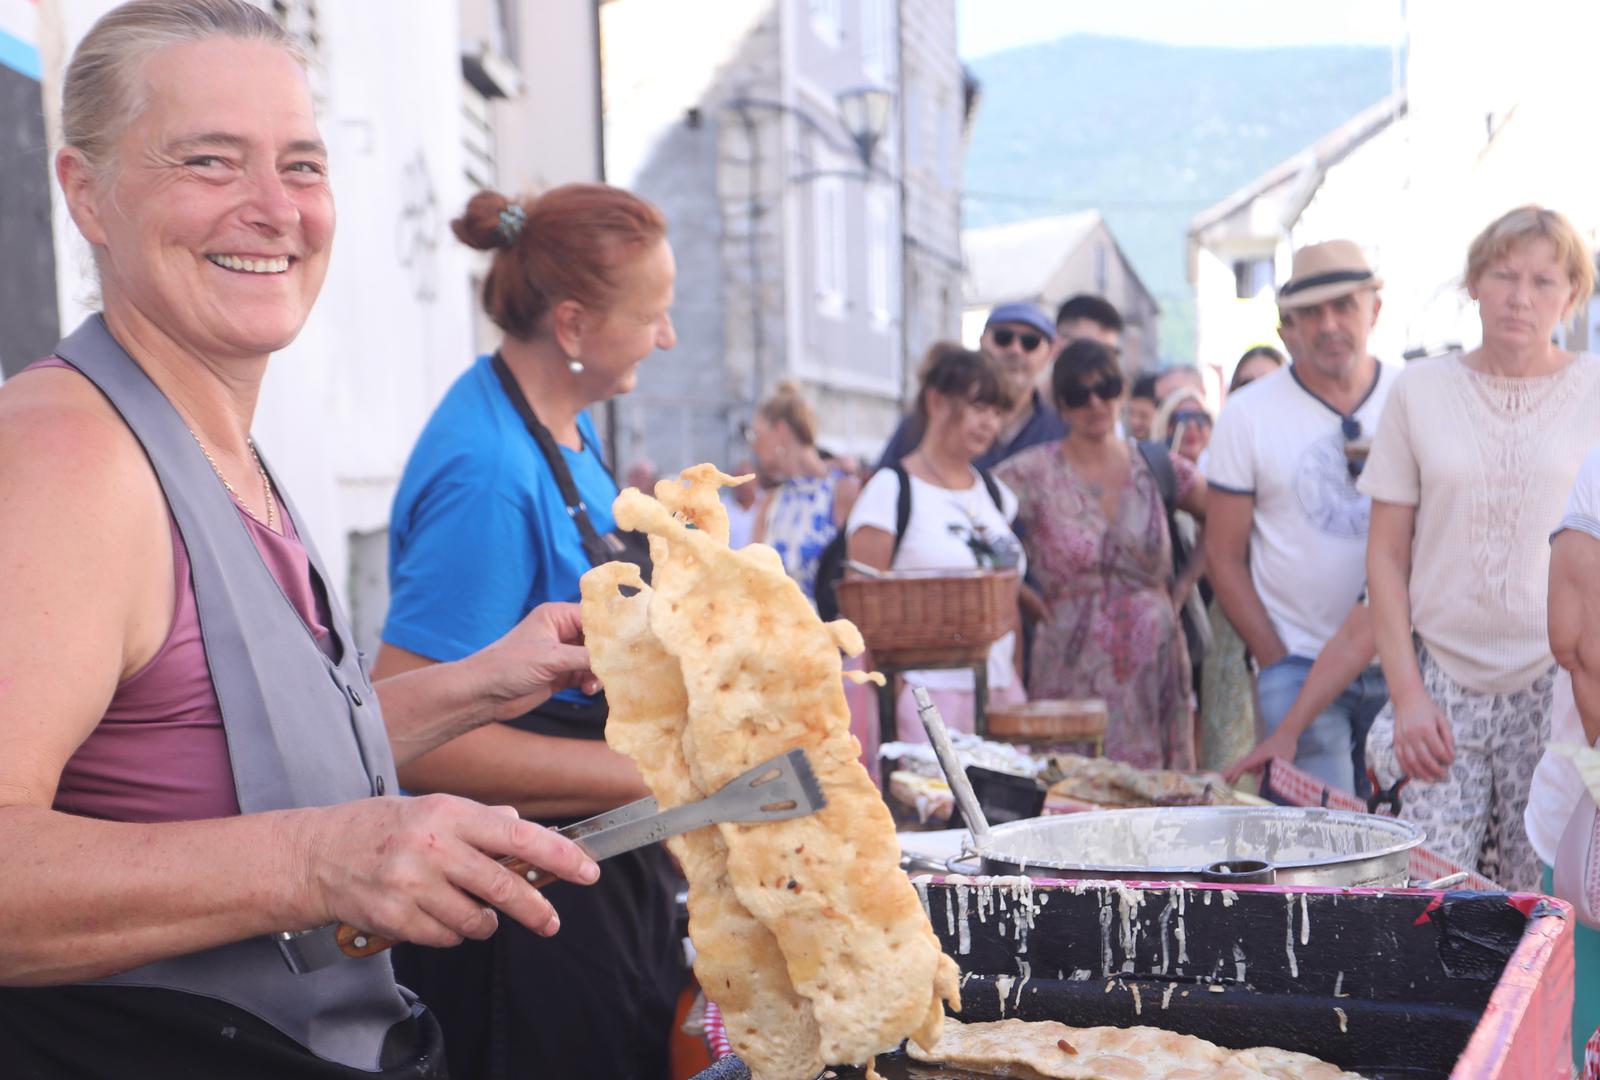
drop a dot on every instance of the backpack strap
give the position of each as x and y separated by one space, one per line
993 487
902 509
1159 458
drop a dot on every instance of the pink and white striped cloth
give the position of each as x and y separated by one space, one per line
716 1032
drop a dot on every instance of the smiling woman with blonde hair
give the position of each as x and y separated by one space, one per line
196 765
1469 473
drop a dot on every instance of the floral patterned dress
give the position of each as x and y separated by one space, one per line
1113 632
800 524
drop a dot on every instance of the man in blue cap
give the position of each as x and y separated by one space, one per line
1021 338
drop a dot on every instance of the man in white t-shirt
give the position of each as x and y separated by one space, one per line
1286 529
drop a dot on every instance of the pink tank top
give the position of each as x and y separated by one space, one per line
159 753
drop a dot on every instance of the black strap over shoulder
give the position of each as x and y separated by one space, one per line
831 565
902 512
1159 458
902 508
599 548
992 486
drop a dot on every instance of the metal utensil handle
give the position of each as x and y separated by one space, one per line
952 865
1240 872
950 762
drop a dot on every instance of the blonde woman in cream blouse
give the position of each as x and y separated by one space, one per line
1469 474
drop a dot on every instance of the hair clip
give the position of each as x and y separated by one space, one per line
512 219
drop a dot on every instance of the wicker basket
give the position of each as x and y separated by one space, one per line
910 617
1048 721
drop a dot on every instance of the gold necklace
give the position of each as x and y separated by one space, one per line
938 474
266 482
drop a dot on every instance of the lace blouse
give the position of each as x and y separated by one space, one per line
1488 461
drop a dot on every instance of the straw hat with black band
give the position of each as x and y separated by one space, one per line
1325 272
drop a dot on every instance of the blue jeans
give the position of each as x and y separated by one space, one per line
1334 747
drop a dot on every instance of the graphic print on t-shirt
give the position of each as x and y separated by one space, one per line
1327 492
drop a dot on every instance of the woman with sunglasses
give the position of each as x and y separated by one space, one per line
1469 474
1094 524
1183 423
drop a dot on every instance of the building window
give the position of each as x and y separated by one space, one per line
477 139
827 19
507 39
1251 277
877 39
299 17
883 250
828 224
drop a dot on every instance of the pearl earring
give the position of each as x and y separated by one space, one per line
575 366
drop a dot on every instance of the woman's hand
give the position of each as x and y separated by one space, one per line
1424 745
423 868
1280 744
541 656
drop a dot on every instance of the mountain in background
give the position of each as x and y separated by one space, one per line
1150 135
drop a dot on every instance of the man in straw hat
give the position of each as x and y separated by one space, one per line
1286 529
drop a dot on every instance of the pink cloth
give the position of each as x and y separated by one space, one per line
159 753
1113 633
954 705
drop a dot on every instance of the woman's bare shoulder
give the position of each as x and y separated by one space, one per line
54 421
68 461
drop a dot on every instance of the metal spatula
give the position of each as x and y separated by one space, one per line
782 788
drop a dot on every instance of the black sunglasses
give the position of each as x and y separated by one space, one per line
1004 338
1351 429
1192 417
1076 395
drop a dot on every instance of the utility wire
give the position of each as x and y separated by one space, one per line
1086 203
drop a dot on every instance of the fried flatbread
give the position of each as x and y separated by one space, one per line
853 965
1060 1052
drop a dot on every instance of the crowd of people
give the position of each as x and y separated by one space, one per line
1350 566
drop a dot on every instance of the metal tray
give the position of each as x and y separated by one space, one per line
1301 845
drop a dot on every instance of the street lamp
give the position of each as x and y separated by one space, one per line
864 111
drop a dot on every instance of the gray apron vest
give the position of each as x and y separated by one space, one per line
302 731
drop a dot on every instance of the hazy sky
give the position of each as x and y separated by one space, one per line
988 26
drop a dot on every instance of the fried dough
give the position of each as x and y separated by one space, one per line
737 959
1110 1053
726 654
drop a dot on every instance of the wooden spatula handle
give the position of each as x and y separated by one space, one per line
358 943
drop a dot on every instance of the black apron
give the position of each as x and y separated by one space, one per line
597 1000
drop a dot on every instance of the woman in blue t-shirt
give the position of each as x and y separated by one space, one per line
504 504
